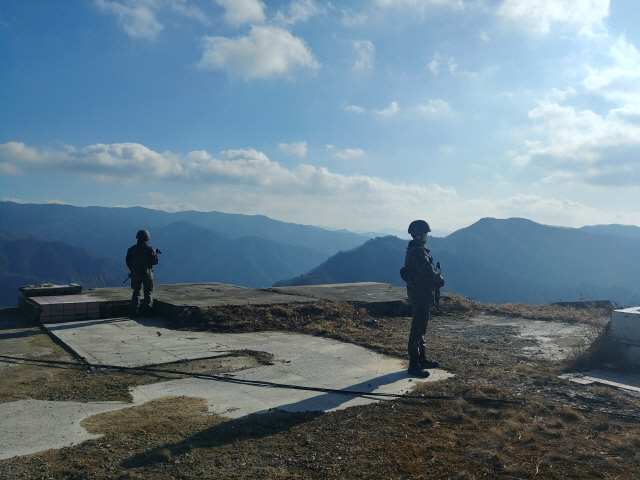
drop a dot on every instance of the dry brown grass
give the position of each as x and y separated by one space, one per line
558 431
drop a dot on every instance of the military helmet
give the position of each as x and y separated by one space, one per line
143 235
418 227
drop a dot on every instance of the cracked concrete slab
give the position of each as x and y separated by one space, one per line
298 360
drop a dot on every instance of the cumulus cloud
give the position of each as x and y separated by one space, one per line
365 51
434 107
265 52
420 5
355 109
439 61
538 16
168 203
619 82
299 148
303 188
352 19
580 145
139 18
297 11
390 111
239 12
572 144
349 153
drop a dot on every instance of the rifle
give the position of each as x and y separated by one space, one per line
158 252
439 270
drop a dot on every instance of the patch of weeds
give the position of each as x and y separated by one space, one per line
598 348
568 414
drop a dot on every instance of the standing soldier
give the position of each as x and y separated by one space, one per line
422 281
140 259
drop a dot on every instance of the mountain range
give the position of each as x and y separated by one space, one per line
512 260
248 250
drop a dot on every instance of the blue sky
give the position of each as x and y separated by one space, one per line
362 115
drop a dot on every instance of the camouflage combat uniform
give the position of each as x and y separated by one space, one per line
140 259
422 282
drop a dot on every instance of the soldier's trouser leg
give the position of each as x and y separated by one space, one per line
418 328
147 284
136 285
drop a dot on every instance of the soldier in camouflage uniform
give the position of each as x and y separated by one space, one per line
422 281
140 259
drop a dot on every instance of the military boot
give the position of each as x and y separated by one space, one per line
426 363
415 368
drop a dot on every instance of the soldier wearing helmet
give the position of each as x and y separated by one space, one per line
422 281
140 259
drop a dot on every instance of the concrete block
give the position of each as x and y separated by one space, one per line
56 309
625 325
69 308
625 328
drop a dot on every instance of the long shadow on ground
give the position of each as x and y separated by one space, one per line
260 424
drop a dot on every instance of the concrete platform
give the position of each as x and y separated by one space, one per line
170 300
299 360
377 298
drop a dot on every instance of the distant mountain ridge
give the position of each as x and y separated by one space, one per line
253 251
96 228
26 259
513 260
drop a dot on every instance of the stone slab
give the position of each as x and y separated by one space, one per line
200 295
363 292
611 378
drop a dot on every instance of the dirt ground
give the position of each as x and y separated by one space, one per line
505 414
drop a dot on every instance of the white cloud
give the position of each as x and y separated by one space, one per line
438 60
226 177
619 82
137 19
437 107
298 11
431 108
391 111
351 19
420 5
349 153
579 145
364 52
168 203
265 52
538 16
189 11
299 148
239 12
354 108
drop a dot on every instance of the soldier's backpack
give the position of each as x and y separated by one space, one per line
404 274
